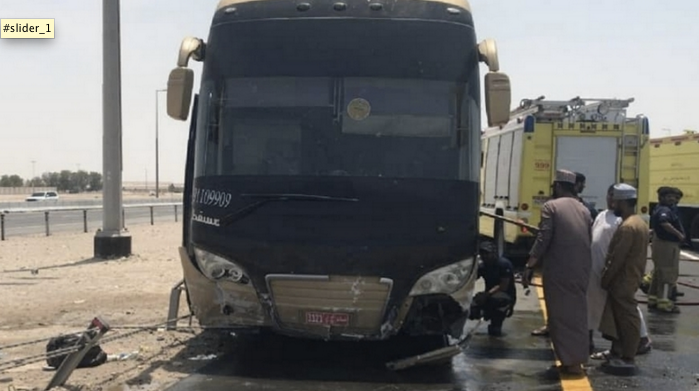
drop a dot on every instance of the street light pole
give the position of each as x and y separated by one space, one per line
33 175
157 157
111 241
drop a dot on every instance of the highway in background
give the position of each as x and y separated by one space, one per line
33 223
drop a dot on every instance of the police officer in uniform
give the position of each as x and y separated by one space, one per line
668 234
497 301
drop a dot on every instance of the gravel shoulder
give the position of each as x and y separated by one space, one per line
52 285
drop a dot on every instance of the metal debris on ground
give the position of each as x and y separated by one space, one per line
434 356
22 361
97 328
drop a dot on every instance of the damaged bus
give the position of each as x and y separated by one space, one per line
331 185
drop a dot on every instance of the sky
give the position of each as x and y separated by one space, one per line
51 89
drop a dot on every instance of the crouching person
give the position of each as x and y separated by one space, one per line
497 302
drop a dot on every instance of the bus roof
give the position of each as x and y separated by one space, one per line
457 3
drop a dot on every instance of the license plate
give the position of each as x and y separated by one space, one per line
327 318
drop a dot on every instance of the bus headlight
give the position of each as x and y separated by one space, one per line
217 268
447 279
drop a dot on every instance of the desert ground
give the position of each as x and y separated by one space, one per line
52 285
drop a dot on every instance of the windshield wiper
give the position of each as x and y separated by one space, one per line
269 197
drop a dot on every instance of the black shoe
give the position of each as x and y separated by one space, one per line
644 346
495 331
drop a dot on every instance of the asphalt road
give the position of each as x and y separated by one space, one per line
34 223
514 362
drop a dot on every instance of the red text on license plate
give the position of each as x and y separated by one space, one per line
327 318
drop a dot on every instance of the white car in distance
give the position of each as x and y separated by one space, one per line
43 196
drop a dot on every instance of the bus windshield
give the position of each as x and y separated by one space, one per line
367 127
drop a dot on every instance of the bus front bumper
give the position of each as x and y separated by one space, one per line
323 307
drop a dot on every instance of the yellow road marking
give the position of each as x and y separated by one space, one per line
582 384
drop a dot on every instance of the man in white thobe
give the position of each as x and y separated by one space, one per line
603 229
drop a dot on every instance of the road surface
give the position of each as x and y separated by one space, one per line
19 224
515 362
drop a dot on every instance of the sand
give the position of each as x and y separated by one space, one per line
51 285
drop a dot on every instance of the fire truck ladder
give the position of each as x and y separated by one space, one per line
575 109
604 110
547 109
631 148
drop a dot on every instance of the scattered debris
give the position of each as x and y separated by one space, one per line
203 357
123 356
434 356
45 308
83 352
94 357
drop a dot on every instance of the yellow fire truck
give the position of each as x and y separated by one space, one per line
518 160
674 161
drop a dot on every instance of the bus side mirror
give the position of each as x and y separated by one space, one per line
179 92
497 85
497 98
181 79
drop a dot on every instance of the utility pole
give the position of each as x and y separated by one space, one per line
157 155
110 241
33 175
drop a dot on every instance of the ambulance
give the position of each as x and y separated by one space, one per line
674 161
595 137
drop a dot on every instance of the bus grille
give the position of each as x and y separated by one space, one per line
330 305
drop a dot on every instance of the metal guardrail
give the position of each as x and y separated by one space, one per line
498 235
84 209
79 203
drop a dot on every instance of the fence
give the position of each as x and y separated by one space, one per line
6 215
23 190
